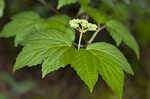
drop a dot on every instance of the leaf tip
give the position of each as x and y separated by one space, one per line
14 69
118 43
43 75
59 6
91 90
132 73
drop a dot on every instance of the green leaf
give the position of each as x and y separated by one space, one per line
141 28
110 71
27 23
85 66
68 55
110 3
97 15
53 60
30 56
84 2
62 3
63 19
19 23
22 25
29 30
44 47
28 15
60 23
120 33
103 59
121 12
2 6
112 52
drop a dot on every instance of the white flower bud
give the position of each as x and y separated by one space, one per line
85 26
84 23
74 23
92 27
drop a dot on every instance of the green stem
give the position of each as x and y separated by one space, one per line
79 44
95 34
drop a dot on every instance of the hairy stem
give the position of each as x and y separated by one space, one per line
79 44
95 34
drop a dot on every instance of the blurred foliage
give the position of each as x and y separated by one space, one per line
3 96
143 30
2 6
18 87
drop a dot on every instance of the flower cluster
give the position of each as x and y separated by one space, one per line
82 25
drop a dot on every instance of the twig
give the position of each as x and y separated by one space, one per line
49 6
95 34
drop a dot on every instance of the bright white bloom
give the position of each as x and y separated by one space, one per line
85 25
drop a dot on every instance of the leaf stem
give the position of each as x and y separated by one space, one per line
95 34
79 44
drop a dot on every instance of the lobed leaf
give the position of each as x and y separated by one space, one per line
103 59
110 71
27 23
45 47
62 3
120 33
60 23
52 61
22 25
112 52
86 67
68 55
29 56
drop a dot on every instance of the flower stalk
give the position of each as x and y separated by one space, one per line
80 39
82 26
95 34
